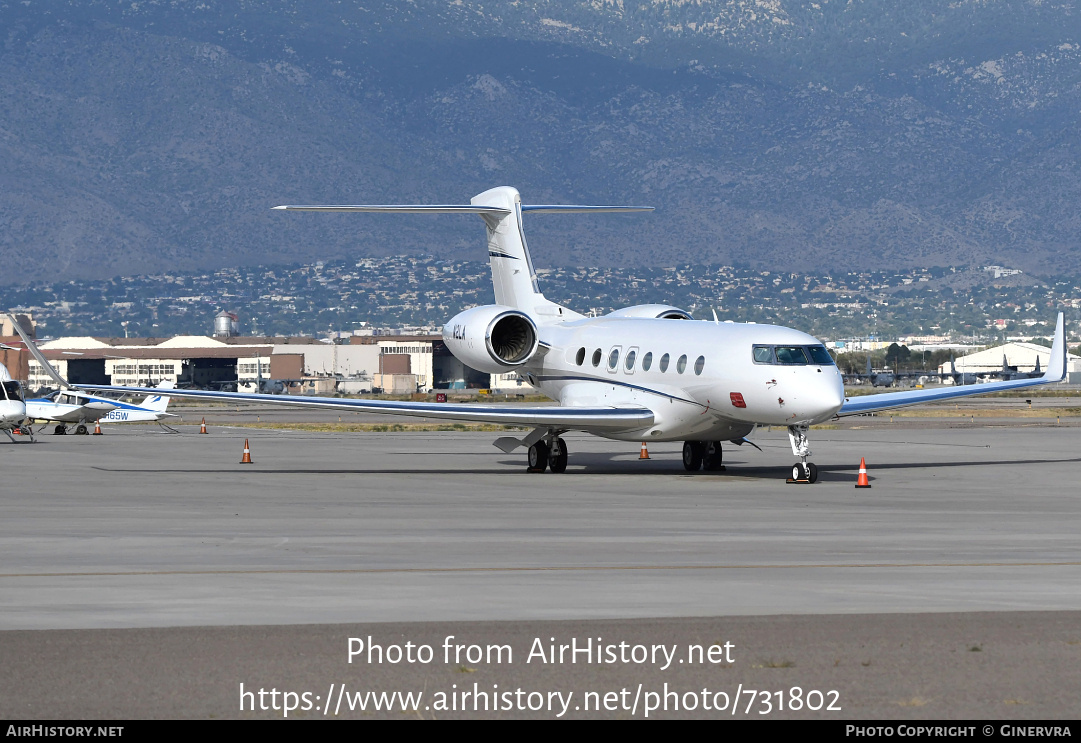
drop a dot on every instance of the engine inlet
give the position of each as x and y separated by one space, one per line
512 339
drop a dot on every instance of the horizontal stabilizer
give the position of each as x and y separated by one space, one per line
460 208
573 209
401 208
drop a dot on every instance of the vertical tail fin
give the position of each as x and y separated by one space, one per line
513 277
158 403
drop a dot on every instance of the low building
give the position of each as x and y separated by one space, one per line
293 365
1019 357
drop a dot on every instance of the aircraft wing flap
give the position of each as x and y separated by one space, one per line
577 418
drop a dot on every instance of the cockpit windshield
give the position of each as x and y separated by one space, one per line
12 391
792 355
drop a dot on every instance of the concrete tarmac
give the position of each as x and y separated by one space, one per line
139 529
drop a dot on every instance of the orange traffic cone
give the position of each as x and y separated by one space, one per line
645 452
861 481
202 426
97 428
246 459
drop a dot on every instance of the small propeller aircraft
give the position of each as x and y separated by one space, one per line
643 373
68 405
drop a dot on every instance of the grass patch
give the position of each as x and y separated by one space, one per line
941 411
913 702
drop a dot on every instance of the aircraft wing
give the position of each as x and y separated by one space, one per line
1056 372
576 418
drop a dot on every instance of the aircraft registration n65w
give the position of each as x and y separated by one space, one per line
643 373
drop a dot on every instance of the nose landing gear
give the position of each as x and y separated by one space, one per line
803 472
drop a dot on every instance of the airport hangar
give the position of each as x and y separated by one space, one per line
1020 357
393 363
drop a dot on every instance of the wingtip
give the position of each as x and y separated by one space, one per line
1057 364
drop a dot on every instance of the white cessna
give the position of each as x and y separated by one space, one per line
643 373
70 406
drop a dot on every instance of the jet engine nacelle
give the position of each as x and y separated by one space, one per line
659 311
492 338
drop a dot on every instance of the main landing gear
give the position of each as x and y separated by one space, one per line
548 454
803 472
703 455
61 429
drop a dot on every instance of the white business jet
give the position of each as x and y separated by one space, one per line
71 406
643 373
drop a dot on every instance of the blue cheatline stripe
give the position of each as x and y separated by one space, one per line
618 383
117 403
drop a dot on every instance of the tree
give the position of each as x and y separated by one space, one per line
896 355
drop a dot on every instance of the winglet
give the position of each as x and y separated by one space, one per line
38 356
1056 367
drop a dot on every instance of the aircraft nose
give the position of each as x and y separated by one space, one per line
831 394
12 412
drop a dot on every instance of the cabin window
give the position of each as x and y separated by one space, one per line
681 365
581 357
629 363
11 389
763 355
699 365
647 361
664 363
597 357
791 355
613 359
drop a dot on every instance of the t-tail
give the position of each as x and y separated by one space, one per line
501 208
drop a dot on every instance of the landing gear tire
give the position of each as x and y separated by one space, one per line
714 458
557 460
805 472
60 430
81 430
538 457
693 453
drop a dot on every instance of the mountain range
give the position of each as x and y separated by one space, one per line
152 137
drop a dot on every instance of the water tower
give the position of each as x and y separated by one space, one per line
226 325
